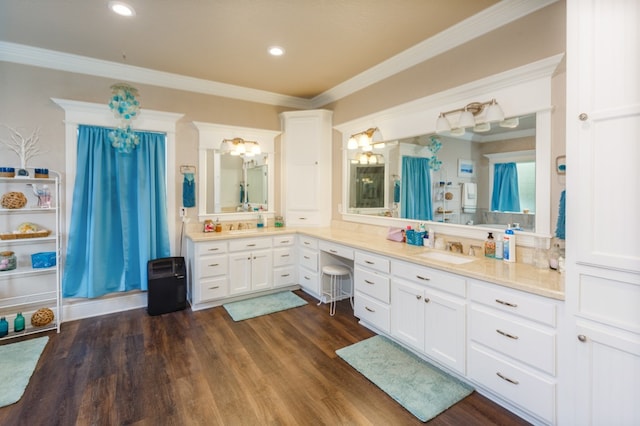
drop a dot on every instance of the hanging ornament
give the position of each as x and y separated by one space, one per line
125 107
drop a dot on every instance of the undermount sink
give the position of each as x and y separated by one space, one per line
446 257
242 231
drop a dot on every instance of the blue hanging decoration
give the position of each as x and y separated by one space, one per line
435 145
125 107
434 163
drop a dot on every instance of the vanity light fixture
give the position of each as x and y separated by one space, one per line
240 147
121 8
370 158
365 139
469 116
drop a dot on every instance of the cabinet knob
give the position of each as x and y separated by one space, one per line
582 337
583 117
427 300
418 297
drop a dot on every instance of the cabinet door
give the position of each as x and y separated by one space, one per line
261 270
407 313
608 370
445 335
603 117
239 272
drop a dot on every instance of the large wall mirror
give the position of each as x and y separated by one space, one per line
460 186
234 186
383 186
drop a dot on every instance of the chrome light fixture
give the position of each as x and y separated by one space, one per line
365 139
240 147
470 116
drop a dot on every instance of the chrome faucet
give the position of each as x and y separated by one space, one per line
454 246
473 248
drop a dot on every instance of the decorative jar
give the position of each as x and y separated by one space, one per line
8 261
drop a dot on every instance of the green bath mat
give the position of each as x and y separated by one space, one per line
19 361
263 305
419 387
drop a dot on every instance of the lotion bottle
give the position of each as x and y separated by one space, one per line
499 247
509 246
490 246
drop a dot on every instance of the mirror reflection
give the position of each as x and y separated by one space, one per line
236 183
481 178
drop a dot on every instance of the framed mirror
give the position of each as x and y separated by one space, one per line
461 185
234 185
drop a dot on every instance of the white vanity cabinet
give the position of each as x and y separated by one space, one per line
250 265
306 147
372 294
284 261
207 274
429 311
308 263
512 347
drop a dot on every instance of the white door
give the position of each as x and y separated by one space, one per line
239 272
407 313
445 334
261 270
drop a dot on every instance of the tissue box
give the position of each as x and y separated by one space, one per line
415 238
43 260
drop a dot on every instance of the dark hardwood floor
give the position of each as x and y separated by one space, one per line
202 368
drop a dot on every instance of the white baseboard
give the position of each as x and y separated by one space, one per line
75 309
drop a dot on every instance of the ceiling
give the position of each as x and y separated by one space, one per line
327 42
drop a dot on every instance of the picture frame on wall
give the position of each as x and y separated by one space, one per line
466 168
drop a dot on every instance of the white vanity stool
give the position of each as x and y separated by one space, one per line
337 274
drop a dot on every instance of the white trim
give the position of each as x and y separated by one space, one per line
76 309
77 113
488 20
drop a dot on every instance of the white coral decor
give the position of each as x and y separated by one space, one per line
25 148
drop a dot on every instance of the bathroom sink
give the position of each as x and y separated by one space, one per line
243 231
446 257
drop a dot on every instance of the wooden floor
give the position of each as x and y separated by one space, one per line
202 368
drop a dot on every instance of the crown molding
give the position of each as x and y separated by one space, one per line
44 58
486 21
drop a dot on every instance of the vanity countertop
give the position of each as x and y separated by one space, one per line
520 276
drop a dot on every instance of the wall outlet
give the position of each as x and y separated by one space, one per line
183 211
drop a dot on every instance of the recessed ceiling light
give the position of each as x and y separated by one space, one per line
121 8
276 51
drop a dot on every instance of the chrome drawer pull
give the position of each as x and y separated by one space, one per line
423 278
284 255
213 288
515 382
307 243
369 309
333 251
214 249
510 336
369 282
368 262
214 264
307 257
284 275
307 278
502 302
251 245
285 242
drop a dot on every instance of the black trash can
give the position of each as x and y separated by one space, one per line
167 285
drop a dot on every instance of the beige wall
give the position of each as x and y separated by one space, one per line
25 93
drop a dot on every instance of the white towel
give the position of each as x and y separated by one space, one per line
469 197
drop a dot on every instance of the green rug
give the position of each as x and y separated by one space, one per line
263 305
419 387
19 360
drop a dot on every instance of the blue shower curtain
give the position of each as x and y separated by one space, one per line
118 216
506 196
415 200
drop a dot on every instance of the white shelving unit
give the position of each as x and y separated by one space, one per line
27 289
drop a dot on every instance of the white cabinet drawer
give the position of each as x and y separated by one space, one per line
211 266
283 256
532 392
213 288
309 259
336 249
284 240
372 261
303 218
372 284
516 339
308 242
249 244
373 311
309 281
284 276
514 302
212 247
442 281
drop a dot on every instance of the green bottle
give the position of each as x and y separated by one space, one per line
4 327
18 323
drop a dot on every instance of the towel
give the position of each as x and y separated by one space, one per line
561 216
189 190
469 198
396 191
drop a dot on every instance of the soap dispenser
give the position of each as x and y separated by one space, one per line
490 246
